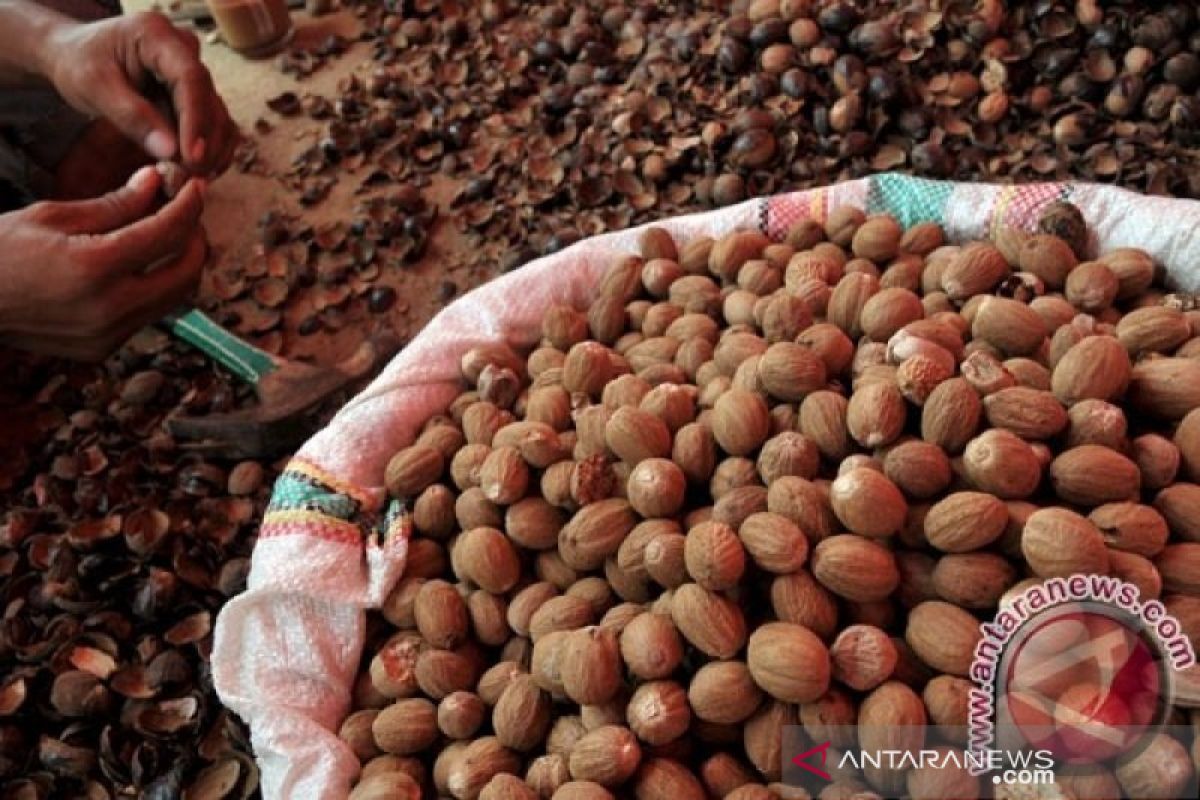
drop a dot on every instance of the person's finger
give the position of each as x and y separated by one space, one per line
175 63
148 240
208 150
225 139
223 136
110 211
120 309
136 117
135 301
227 154
190 39
171 284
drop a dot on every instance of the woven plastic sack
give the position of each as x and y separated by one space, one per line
287 650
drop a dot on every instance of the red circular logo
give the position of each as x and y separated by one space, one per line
1083 682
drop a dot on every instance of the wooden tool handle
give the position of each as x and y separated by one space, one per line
238 356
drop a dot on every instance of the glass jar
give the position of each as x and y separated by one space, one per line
253 27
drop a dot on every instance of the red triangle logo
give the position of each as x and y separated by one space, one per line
802 760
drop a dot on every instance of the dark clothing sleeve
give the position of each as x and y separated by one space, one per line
36 127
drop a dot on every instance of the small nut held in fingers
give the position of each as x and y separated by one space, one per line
173 175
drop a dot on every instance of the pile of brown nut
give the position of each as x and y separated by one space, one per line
118 546
763 483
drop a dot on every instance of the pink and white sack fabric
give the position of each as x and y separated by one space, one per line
287 650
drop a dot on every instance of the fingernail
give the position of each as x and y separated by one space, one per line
198 150
159 144
141 177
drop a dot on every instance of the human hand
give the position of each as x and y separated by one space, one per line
106 68
99 161
78 278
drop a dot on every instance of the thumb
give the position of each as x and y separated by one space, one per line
120 207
